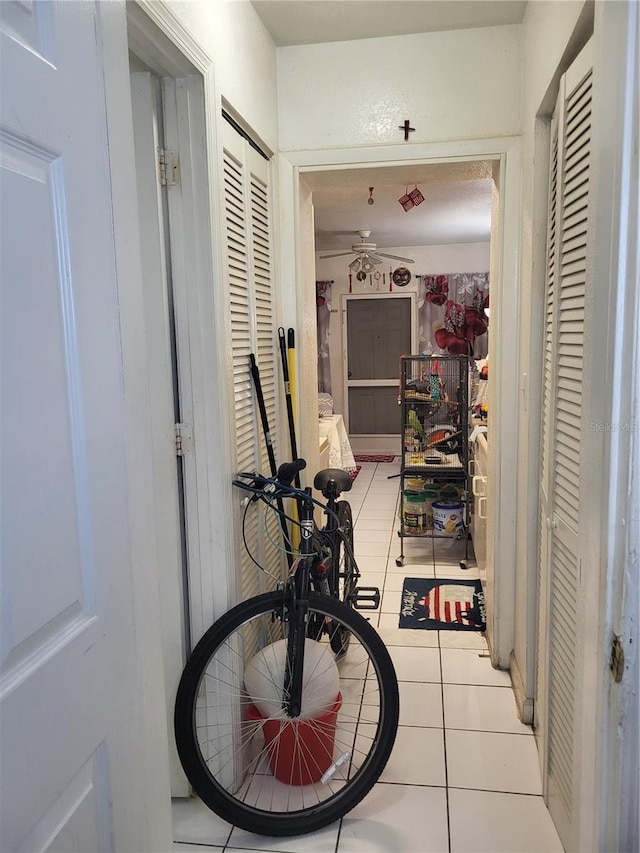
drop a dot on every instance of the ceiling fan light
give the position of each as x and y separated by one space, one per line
354 265
367 266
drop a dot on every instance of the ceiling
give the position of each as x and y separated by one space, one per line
293 22
457 205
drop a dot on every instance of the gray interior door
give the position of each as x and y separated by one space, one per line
378 332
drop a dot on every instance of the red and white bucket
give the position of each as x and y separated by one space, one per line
299 751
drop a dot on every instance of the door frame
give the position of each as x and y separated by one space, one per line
196 265
298 263
160 41
364 443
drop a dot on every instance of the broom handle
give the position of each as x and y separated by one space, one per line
255 373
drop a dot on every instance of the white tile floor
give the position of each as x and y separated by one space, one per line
463 776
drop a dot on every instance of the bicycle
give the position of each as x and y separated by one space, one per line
287 709
333 547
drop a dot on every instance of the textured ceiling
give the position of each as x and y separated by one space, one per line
293 22
456 209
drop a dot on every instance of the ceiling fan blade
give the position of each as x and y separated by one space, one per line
374 258
338 255
396 258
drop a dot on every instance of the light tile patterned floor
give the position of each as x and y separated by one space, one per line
463 776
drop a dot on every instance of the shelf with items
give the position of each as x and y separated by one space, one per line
434 411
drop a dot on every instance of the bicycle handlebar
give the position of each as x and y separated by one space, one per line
270 488
288 470
280 484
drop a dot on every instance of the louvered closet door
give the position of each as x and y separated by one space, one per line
249 250
568 235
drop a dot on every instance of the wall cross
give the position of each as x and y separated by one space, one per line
407 128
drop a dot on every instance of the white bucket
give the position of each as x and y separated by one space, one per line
447 517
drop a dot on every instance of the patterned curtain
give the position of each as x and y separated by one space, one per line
451 314
323 313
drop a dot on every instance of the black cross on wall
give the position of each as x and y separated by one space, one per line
407 128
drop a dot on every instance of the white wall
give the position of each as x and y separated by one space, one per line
429 260
452 85
233 36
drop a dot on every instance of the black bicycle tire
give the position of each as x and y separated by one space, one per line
340 641
355 789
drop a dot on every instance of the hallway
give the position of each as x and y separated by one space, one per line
463 776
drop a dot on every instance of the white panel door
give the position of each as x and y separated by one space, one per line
70 710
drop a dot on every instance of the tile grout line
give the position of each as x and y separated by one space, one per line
444 722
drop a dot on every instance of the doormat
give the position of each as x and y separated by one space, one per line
442 605
374 458
353 472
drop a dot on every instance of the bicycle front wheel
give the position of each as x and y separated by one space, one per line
261 770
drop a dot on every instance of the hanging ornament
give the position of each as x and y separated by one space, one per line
370 199
390 279
406 201
350 289
411 199
401 277
416 196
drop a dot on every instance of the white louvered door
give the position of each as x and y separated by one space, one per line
567 247
253 330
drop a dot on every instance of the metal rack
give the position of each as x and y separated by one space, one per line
434 417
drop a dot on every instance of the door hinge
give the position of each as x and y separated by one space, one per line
168 167
184 439
616 662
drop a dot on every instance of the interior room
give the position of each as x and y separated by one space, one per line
402 236
448 232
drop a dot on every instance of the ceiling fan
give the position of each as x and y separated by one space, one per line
366 255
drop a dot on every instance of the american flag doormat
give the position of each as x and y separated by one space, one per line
442 605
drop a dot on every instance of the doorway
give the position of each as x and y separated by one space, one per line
351 166
376 332
153 105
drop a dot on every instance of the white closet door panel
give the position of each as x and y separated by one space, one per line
561 455
249 263
264 340
237 260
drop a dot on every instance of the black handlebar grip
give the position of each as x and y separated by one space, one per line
288 470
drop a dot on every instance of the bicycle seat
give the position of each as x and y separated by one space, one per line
324 479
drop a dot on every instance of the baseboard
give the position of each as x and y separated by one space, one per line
373 444
524 703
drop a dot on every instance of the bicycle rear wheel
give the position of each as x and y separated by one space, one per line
241 761
345 580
